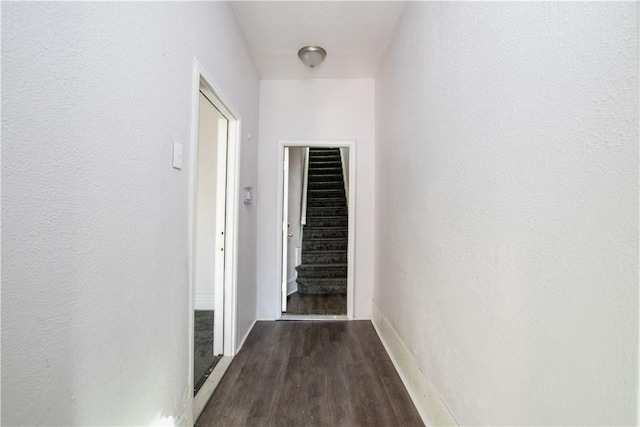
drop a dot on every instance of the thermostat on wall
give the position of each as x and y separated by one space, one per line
248 195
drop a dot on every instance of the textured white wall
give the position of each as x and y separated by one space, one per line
95 239
507 207
314 109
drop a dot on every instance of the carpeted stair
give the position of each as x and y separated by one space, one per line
324 238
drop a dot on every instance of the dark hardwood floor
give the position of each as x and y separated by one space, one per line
298 303
311 374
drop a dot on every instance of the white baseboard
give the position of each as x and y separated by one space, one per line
204 302
292 286
432 409
245 336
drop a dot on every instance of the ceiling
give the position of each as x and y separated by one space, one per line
355 35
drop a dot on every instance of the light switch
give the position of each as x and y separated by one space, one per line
177 155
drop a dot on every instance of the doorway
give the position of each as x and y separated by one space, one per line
316 189
213 224
209 237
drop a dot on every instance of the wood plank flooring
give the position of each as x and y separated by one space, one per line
311 374
298 303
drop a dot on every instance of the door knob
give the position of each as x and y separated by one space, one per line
289 234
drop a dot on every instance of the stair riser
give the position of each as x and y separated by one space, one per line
323 245
316 202
316 154
328 222
315 288
325 163
326 185
315 193
325 178
324 258
325 171
330 272
325 158
317 211
327 233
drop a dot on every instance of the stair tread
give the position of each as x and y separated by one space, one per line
337 264
328 228
329 238
327 252
326 198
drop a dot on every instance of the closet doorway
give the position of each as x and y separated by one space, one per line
213 237
209 238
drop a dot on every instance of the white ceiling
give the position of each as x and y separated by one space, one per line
355 35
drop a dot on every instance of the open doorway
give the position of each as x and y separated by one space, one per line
209 238
317 230
213 225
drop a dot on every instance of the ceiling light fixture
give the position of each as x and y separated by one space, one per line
312 55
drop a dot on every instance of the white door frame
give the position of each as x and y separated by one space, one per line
285 229
222 103
351 145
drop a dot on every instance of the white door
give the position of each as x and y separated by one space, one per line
221 209
285 228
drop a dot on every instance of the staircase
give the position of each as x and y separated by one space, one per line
324 237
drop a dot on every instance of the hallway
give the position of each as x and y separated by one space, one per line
311 373
493 200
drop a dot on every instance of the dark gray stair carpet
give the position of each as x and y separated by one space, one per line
314 177
328 221
325 232
322 211
325 202
319 185
324 257
324 244
325 236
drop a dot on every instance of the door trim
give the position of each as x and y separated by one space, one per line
284 239
351 145
222 103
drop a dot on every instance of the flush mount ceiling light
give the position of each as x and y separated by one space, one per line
312 55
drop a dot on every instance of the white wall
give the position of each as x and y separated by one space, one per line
507 207
95 301
314 109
